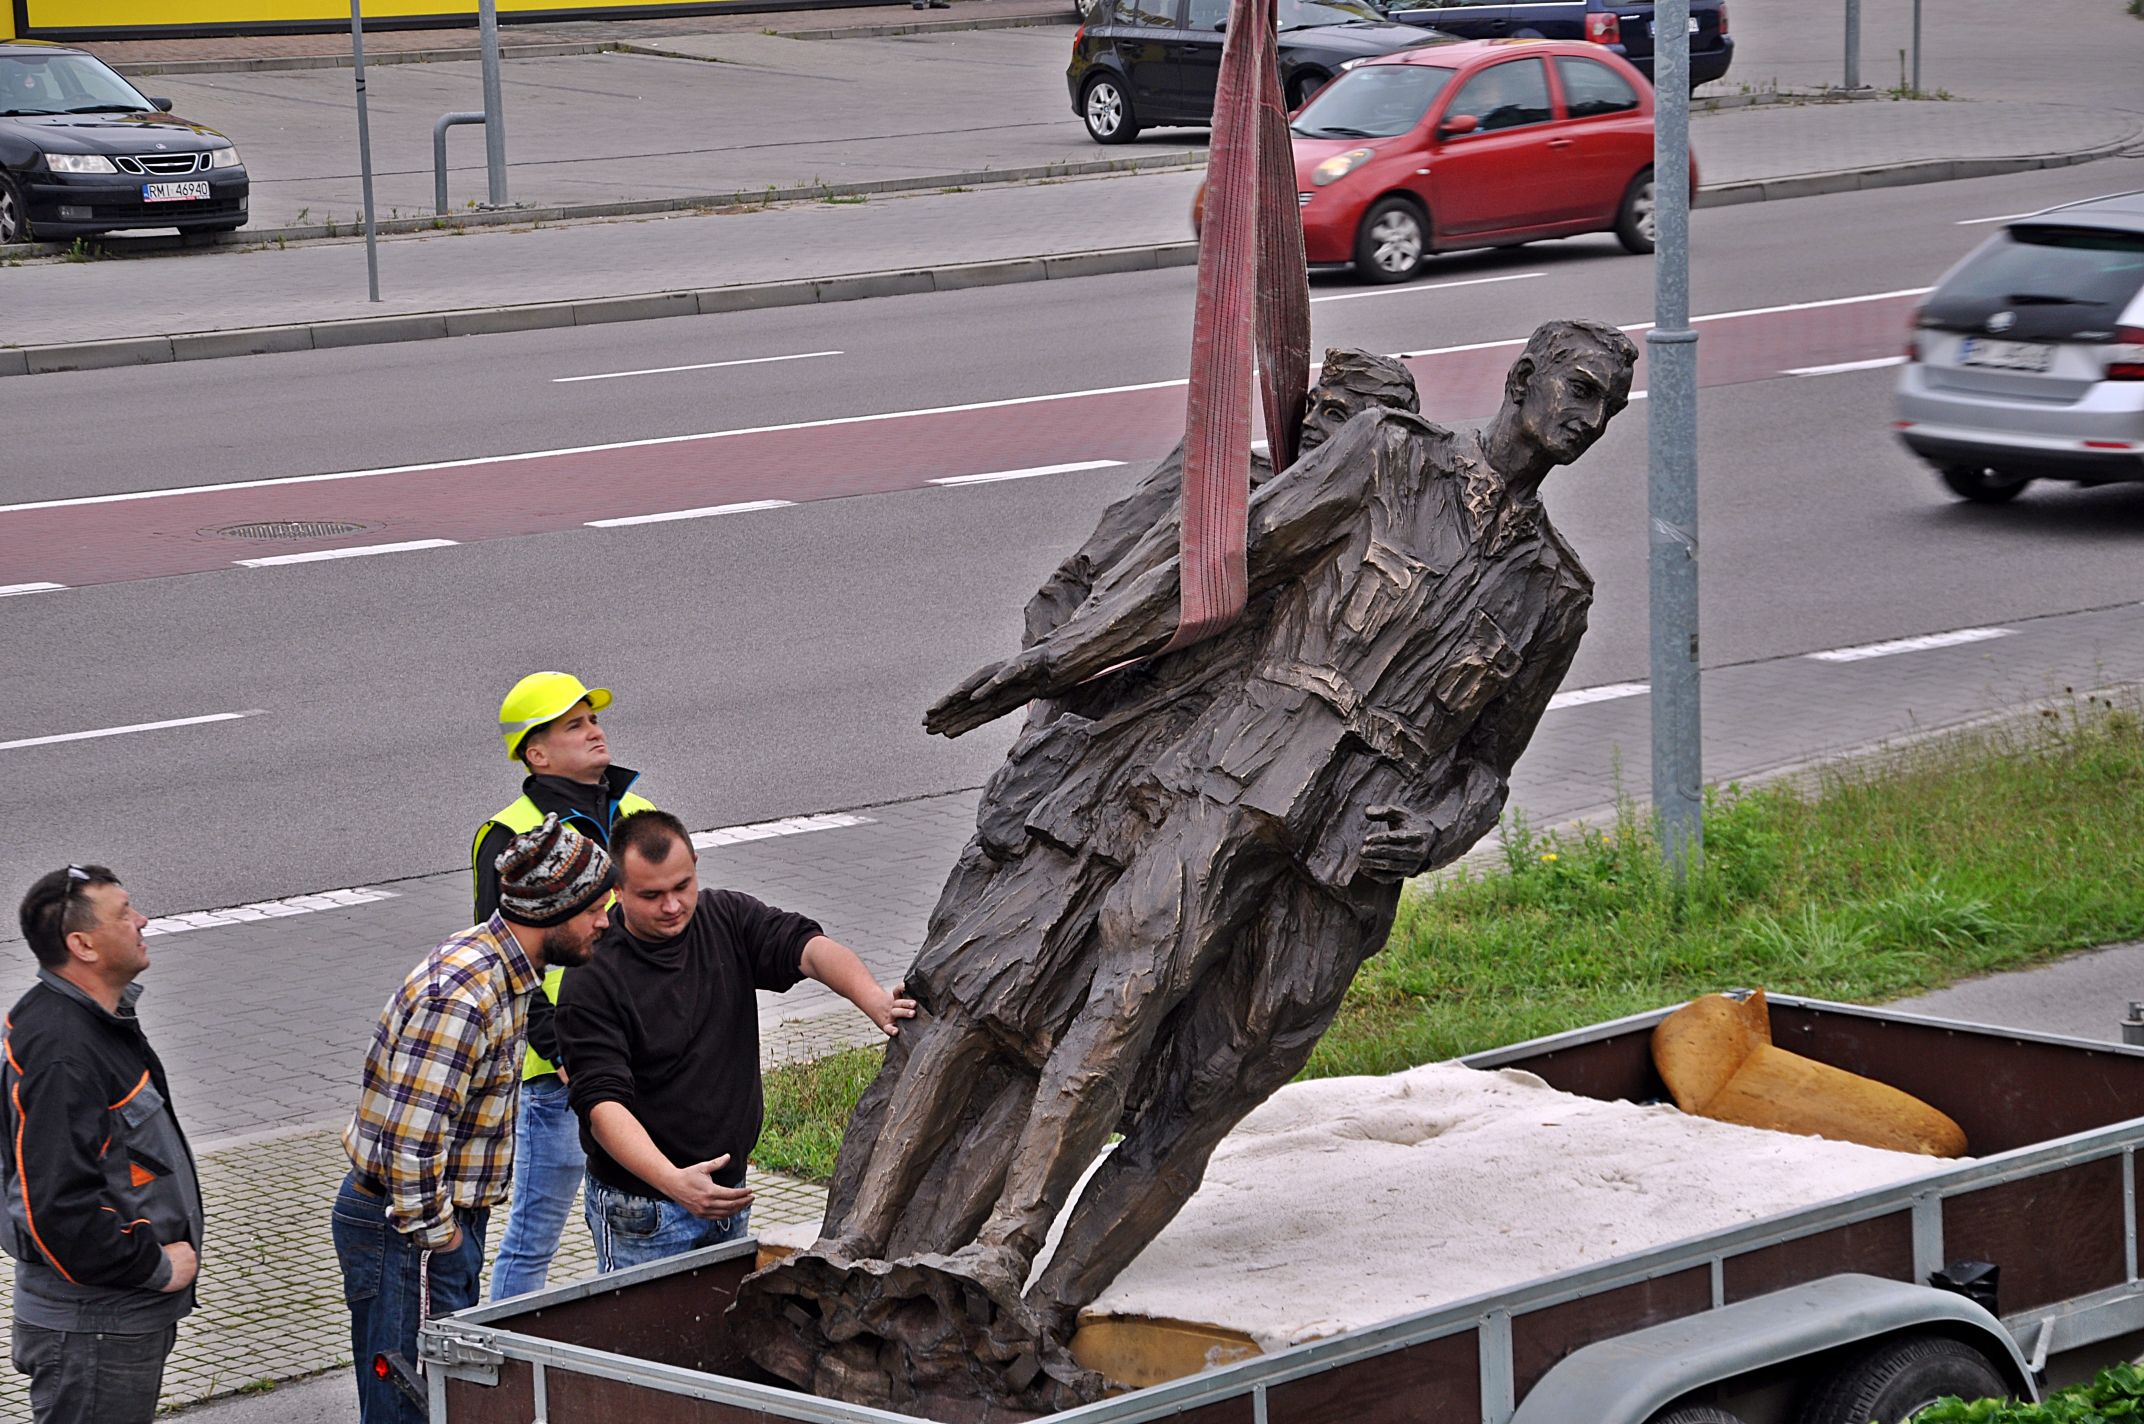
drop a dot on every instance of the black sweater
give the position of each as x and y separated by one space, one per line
670 1030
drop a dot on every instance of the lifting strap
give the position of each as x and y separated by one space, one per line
1253 289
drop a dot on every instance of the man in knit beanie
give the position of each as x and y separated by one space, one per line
432 1143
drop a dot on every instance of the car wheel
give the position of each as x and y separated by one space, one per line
1303 85
1897 1380
1392 242
1082 10
1107 110
1636 220
1982 486
14 217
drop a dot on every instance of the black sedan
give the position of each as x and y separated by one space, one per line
1150 63
82 151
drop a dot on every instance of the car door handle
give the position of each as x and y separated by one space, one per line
1560 142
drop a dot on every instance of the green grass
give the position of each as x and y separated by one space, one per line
1966 855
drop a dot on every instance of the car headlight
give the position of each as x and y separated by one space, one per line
80 163
223 158
1333 169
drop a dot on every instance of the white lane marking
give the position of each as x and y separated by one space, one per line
995 475
705 512
766 830
322 555
11 590
827 423
126 730
1579 697
266 910
1426 287
1910 645
1840 367
702 366
1641 395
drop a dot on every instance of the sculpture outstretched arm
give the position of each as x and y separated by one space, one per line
1293 518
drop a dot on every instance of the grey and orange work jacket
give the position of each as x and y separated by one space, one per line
97 1173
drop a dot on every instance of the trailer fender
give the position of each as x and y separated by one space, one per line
1628 1379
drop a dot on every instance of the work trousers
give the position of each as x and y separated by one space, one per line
92 1376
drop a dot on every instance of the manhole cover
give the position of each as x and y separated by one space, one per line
292 529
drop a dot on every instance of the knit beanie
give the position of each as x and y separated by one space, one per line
550 874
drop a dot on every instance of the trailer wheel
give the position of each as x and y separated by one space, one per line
1895 1381
1696 1414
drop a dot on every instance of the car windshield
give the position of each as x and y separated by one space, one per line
1373 101
2034 264
1302 14
63 84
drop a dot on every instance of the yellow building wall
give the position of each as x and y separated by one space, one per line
149 17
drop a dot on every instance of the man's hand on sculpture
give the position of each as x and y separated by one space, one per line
1398 851
989 693
695 1189
887 1008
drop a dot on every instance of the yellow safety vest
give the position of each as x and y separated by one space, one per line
521 818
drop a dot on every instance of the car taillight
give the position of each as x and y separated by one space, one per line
1723 16
2126 362
1604 28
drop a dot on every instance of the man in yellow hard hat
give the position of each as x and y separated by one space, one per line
549 724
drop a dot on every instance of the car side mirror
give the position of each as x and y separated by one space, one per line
1220 25
1458 124
163 106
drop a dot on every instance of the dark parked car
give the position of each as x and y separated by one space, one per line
1627 28
82 151
1140 64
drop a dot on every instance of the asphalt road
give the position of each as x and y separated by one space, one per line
776 662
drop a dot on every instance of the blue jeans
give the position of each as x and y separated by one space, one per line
633 1230
548 1163
381 1269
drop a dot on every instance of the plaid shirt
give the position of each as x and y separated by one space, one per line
435 1121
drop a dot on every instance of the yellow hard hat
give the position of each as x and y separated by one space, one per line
543 697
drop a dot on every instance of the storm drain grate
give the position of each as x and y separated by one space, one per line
292 529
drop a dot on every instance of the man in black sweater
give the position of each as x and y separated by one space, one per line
103 1208
662 1031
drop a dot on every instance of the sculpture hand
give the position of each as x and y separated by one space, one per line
1397 852
987 694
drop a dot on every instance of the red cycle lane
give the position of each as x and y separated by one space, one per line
133 537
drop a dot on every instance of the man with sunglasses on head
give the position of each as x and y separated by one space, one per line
103 1208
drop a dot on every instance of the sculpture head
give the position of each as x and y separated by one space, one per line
1559 395
1349 383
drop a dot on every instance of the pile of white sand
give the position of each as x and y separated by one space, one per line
1349 1201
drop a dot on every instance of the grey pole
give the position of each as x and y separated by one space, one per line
1916 49
1671 490
1853 44
364 150
494 105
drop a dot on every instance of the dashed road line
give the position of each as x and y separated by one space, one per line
1909 645
1411 289
702 366
318 556
767 830
1580 696
266 910
125 731
993 476
11 590
1841 367
704 512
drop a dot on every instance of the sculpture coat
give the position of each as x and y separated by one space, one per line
1179 869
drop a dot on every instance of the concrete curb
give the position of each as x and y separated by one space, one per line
1173 161
477 321
537 316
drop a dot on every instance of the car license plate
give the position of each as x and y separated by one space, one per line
2005 355
173 192
1654 29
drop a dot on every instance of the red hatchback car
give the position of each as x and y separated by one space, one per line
1486 143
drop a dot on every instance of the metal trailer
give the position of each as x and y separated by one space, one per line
1753 1321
